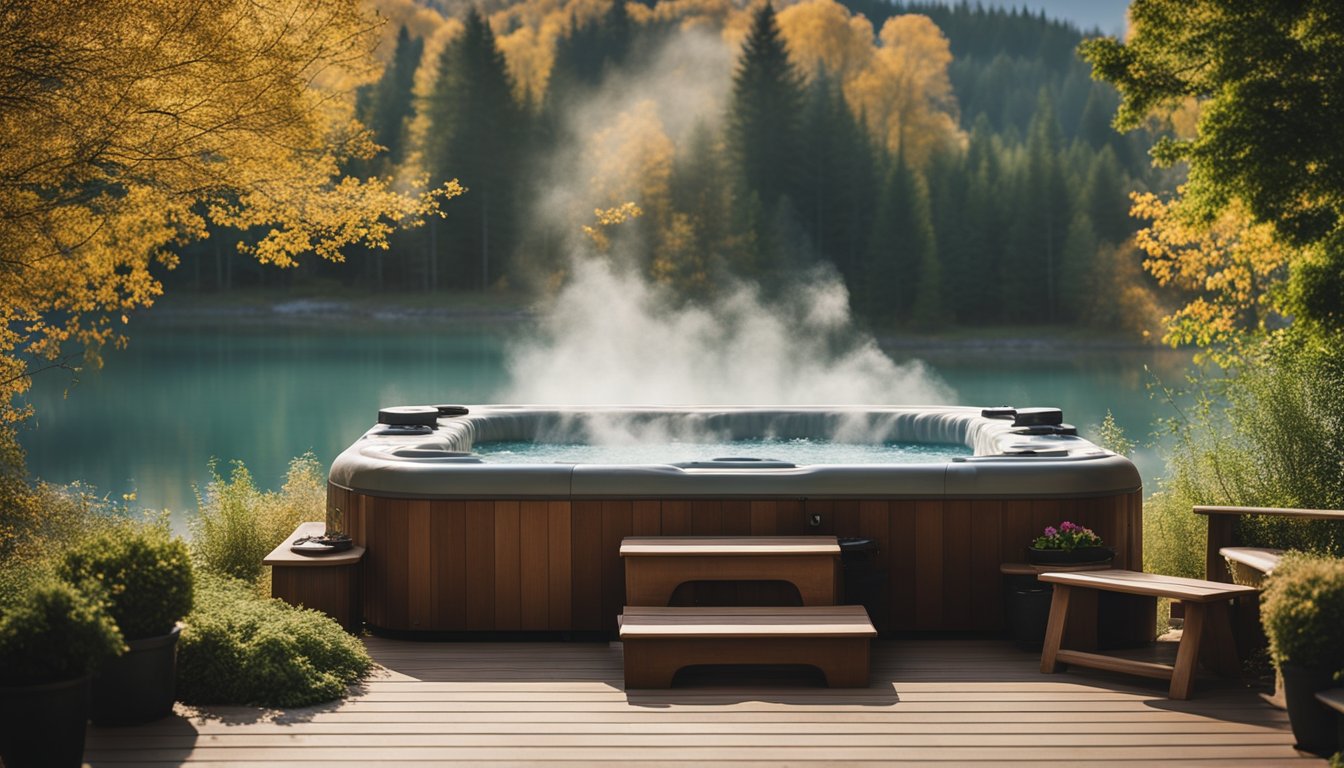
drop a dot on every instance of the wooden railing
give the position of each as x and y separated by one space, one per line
1222 520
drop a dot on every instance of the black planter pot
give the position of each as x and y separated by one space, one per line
1314 724
43 725
137 686
1028 613
1080 556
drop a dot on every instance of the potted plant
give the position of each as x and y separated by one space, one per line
1302 609
51 637
1070 544
146 574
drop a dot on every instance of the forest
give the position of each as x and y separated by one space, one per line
953 165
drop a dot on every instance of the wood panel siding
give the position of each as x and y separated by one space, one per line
497 565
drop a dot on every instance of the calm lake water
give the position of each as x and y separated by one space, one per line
152 418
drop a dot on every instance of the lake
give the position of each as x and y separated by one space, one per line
152 418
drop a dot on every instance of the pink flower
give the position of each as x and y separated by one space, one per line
1050 530
1066 526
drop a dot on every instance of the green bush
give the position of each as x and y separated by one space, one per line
237 525
238 648
1303 611
144 570
55 631
1268 434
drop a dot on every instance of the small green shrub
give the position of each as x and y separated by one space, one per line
1267 434
1303 611
55 631
144 570
238 648
237 524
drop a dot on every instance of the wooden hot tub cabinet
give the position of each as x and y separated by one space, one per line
554 565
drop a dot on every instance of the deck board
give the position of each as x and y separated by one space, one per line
948 701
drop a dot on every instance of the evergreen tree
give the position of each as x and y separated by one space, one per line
1105 199
901 256
763 121
838 186
1044 217
477 137
390 104
1079 271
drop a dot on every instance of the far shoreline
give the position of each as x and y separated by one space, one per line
511 312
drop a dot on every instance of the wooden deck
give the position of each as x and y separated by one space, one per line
946 702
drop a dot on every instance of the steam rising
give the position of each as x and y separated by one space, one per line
611 337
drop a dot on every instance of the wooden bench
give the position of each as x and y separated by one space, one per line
1223 554
658 641
1208 630
1222 527
1250 565
656 565
329 583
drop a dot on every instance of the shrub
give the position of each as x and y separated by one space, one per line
1268 434
238 648
1303 611
144 570
237 525
55 631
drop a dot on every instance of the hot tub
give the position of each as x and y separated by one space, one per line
460 541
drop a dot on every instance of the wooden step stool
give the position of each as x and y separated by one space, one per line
1207 625
658 641
656 565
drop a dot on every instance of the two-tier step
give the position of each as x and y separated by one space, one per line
659 640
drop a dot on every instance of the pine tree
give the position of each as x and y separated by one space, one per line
478 133
763 121
1105 199
391 104
1046 199
901 263
838 186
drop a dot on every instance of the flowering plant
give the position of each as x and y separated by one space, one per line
1067 537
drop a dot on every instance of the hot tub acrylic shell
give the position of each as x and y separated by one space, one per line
456 544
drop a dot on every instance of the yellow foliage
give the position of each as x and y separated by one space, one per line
730 18
419 21
679 260
426 75
631 159
527 33
127 127
1227 266
905 93
605 219
822 33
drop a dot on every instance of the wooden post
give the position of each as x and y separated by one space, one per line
1220 535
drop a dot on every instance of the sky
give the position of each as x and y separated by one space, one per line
1108 15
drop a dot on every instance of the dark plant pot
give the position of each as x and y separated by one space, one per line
1028 613
1080 556
137 686
1314 724
43 725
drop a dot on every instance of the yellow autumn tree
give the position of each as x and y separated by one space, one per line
1229 268
905 93
822 34
130 126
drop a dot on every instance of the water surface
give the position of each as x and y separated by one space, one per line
799 451
153 417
